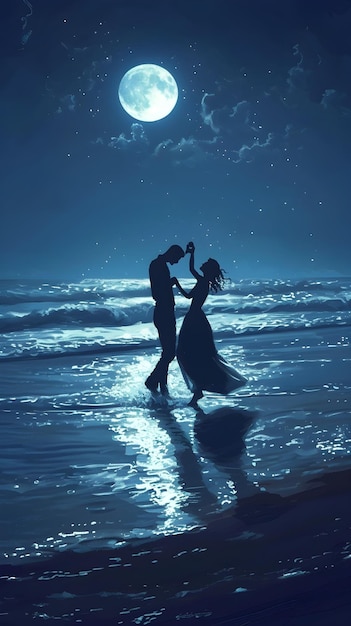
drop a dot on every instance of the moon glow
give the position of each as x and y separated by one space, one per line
148 92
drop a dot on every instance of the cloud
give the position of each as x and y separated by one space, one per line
188 152
247 153
317 78
334 99
98 141
208 114
224 118
138 139
246 129
297 75
68 103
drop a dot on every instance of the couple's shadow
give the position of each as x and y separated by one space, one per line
221 433
221 438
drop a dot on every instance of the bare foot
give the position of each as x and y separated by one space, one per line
197 396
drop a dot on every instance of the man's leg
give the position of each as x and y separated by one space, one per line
167 334
166 326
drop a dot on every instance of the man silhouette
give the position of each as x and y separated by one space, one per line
164 317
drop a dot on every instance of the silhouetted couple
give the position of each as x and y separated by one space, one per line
201 365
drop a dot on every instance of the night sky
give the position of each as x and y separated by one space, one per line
253 164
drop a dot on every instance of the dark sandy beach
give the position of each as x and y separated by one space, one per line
213 575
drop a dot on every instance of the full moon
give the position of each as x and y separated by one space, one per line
148 92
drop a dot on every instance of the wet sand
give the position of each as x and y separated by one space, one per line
219 574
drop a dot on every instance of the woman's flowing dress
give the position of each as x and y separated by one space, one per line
201 365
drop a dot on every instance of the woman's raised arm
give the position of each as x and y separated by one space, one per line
191 249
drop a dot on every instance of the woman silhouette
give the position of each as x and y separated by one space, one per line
201 365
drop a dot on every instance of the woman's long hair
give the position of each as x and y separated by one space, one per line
215 275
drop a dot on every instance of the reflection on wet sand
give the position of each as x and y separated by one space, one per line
221 435
191 480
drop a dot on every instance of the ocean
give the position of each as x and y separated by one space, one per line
118 507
